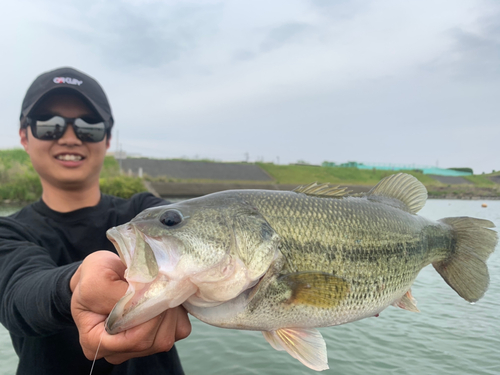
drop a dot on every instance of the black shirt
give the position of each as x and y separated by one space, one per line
40 249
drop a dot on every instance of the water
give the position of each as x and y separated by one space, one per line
448 337
7 210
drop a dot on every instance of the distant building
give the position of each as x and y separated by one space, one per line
456 172
117 154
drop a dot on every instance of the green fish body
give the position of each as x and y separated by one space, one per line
286 262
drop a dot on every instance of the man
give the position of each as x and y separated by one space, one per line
56 289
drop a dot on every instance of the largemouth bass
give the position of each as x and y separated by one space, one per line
286 262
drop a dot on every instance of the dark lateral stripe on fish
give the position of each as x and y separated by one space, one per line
356 253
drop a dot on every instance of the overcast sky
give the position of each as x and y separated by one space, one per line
382 81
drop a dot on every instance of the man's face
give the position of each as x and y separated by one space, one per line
66 163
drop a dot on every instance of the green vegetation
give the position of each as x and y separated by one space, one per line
122 186
464 192
114 183
20 183
467 170
480 180
188 159
18 179
301 174
481 185
110 167
166 179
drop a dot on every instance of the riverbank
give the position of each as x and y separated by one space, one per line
196 189
186 190
19 183
189 189
465 192
287 177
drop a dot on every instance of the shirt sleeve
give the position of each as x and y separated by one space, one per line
35 296
148 200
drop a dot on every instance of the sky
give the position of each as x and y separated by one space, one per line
414 82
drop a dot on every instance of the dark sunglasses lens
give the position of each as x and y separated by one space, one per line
52 128
90 130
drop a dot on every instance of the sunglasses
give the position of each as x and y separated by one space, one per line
49 128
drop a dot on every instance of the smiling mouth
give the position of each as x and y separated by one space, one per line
69 157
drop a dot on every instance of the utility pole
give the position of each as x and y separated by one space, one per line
120 157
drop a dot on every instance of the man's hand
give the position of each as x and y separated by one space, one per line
97 285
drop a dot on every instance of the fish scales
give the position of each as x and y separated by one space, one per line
376 250
287 262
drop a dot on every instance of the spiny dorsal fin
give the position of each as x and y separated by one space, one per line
403 187
322 190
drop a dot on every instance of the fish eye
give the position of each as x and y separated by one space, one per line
171 218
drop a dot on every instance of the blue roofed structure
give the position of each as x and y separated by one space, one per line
401 167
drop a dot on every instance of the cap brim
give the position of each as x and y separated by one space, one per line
105 116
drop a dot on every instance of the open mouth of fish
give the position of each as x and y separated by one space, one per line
160 278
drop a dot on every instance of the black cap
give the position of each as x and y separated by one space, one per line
68 79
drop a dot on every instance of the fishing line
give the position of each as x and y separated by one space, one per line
97 351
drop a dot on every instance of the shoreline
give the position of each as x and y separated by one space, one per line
187 190
192 189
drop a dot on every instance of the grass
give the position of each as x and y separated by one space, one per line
19 181
110 167
122 186
465 192
302 174
167 179
480 180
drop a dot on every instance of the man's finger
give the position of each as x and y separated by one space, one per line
134 341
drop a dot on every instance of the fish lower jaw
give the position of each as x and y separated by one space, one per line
143 302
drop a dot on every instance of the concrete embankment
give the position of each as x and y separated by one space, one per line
184 169
229 176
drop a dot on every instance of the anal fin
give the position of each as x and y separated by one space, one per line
304 344
407 302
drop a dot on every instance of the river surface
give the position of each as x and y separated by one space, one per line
448 337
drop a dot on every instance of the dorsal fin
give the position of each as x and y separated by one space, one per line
322 190
405 188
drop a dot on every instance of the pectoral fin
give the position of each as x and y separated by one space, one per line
305 344
407 302
317 289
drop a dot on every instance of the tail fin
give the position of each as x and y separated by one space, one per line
465 270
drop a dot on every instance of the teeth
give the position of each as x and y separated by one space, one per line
69 157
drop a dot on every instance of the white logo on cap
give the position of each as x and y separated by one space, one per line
68 80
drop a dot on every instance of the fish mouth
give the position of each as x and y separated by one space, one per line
162 275
119 243
150 292
140 305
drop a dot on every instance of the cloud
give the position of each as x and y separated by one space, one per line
135 35
366 80
476 55
279 36
244 55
